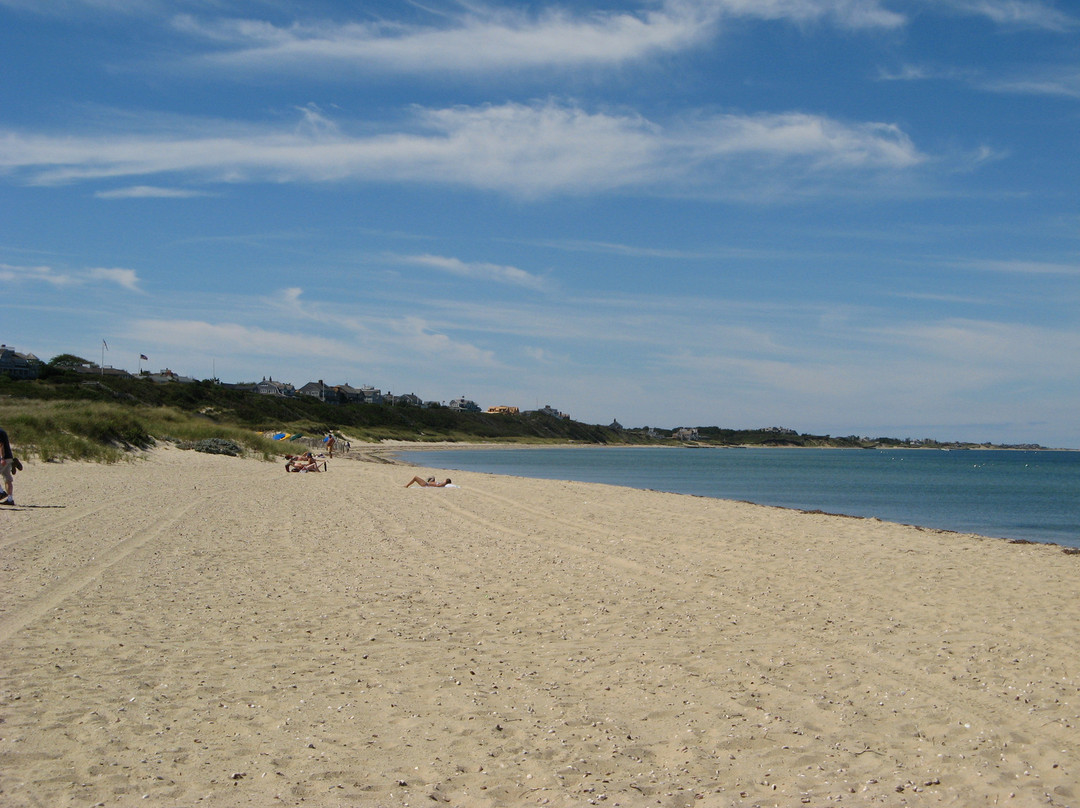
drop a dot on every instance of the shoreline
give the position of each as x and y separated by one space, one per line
1067 544
435 446
211 630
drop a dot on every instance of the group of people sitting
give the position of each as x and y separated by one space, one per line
311 462
304 462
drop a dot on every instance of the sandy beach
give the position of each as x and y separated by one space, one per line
197 630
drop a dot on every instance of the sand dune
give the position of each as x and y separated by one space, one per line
198 630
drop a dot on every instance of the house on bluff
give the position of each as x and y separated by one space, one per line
19 365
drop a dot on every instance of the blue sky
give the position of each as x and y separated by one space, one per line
839 216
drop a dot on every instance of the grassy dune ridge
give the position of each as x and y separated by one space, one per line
109 432
87 417
73 416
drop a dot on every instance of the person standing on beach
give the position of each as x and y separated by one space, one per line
7 460
330 441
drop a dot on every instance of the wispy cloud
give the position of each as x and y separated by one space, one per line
381 338
852 14
149 192
1064 81
66 7
208 338
1018 267
881 372
35 274
485 38
924 72
523 149
480 40
1018 13
126 278
995 352
477 269
422 337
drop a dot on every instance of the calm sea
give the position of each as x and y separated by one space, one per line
1007 494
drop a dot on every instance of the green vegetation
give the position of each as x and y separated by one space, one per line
108 431
86 417
71 415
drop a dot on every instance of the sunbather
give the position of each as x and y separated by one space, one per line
428 483
305 462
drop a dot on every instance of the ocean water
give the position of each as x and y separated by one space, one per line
1006 494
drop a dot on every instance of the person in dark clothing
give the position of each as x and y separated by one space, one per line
7 469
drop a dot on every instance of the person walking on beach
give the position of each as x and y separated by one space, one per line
330 441
7 472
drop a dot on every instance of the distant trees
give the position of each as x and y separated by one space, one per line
66 361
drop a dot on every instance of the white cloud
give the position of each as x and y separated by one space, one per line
983 353
1021 267
127 278
922 72
845 13
544 357
65 7
149 192
963 371
478 270
1020 13
1063 82
818 141
487 38
291 296
522 149
381 339
420 337
36 274
479 41
210 338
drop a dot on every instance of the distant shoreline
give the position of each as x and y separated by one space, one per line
389 447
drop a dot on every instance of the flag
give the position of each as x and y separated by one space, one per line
103 342
144 357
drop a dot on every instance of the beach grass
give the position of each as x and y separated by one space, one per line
110 432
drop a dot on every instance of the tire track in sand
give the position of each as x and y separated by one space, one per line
56 594
549 540
981 701
48 527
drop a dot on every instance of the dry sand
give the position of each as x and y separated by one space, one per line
192 630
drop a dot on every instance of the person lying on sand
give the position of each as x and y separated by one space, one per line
304 462
428 483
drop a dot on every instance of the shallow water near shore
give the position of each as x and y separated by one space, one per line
1032 496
